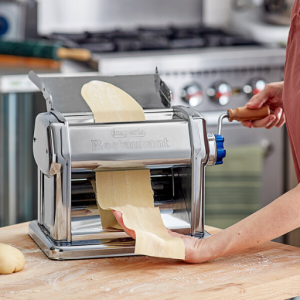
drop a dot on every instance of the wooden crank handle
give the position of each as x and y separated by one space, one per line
247 114
76 54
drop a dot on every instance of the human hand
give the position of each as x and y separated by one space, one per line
193 246
271 95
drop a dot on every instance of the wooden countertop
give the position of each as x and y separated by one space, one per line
269 271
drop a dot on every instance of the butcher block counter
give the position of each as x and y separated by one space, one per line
269 271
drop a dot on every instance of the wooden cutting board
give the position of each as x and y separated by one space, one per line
269 271
28 62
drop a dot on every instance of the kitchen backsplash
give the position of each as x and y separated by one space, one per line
58 15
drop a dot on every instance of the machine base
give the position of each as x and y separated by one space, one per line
84 251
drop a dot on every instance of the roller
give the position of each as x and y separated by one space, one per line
43 49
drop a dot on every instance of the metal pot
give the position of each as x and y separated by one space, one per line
278 11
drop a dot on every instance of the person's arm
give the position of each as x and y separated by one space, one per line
274 220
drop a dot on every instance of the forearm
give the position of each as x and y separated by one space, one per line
277 218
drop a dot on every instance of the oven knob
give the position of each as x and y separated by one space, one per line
255 86
4 26
220 92
192 94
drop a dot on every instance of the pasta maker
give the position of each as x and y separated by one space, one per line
69 147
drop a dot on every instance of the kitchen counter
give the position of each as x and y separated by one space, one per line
269 271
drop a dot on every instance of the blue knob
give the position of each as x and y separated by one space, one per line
221 152
3 25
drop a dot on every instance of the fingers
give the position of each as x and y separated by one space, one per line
258 100
248 124
118 215
271 93
277 118
265 122
277 113
282 120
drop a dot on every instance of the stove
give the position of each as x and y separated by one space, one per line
207 68
208 79
152 39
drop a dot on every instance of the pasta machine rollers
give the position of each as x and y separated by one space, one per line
68 146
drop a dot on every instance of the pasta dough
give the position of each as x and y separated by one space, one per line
152 237
128 191
119 188
111 104
11 259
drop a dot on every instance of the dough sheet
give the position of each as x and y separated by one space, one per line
129 192
118 188
152 237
